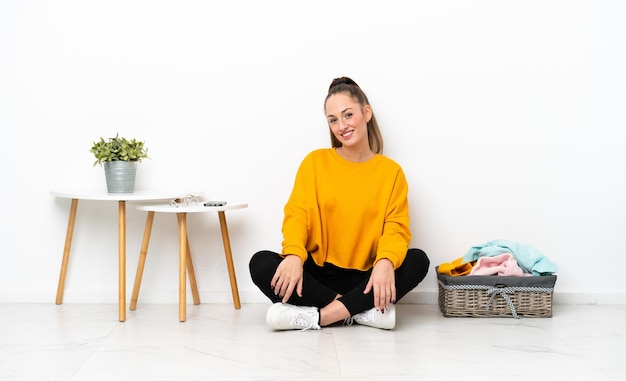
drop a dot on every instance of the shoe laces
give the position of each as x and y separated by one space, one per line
361 316
305 321
366 315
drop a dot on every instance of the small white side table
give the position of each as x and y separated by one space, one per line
185 262
121 198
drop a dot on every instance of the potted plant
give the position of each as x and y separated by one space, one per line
119 157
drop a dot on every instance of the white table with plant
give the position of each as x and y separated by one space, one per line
109 153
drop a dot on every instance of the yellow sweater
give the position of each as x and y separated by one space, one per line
348 214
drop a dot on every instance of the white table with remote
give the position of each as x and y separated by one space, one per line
185 264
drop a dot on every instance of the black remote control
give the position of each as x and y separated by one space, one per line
215 203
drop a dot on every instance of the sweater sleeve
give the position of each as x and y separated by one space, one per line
396 235
295 222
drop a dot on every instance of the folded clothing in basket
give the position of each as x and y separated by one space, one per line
500 282
502 265
527 257
455 268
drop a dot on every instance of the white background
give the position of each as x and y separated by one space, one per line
507 118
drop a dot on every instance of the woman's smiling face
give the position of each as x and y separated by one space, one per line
347 120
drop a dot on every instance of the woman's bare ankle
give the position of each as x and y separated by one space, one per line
332 313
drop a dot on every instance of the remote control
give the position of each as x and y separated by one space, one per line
215 203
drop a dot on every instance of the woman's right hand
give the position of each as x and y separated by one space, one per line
288 276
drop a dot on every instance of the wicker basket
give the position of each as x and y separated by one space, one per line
495 296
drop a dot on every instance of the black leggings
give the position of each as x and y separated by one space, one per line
321 285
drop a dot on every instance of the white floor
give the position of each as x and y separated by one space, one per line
86 342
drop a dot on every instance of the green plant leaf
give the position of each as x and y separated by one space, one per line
118 149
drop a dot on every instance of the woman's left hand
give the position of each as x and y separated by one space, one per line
382 281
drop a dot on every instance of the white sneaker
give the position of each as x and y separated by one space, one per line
377 319
287 316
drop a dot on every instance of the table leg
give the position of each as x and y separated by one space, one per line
192 276
142 260
66 250
229 260
122 259
182 266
